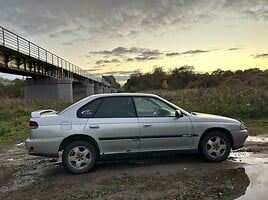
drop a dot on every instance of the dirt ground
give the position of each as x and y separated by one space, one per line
244 176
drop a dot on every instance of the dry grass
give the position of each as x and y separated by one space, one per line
228 101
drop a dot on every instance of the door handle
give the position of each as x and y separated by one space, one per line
146 125
94 126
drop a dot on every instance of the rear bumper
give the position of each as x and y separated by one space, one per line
239 138
47 147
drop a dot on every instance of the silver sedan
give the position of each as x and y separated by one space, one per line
118 124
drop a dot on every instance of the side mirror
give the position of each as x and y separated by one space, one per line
178 114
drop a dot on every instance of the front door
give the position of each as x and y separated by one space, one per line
160 129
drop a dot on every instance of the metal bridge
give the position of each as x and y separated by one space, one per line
21 57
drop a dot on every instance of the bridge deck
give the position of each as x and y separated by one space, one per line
22 57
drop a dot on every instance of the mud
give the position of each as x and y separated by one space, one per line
243 176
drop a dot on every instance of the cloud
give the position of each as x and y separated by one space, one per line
144 58
140 54
122 72
129 60
92 70
115 60
234 49
257 10
118 51
264 55
173 54
69 43
119 18
101 18
105 61
102 61
191 52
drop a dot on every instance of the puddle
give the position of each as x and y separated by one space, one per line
256 168
258 186
249 158
258 139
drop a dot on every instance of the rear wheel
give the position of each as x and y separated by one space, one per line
79 157
215 146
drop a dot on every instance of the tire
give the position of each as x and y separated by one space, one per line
215 146
79 157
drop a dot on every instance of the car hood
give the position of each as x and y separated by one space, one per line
203 117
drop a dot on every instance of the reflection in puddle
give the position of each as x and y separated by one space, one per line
258 187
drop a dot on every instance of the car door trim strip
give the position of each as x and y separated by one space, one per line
147 137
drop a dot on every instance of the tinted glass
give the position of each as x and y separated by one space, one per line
88 110
116 107
152 107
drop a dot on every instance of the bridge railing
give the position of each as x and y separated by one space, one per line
15 42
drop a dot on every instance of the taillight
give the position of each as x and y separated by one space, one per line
33 125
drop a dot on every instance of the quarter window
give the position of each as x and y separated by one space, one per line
88 110
116 107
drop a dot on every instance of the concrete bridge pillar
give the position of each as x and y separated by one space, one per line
107 89
113 90
83 90
59 90
98 89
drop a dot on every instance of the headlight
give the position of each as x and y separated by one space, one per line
242 126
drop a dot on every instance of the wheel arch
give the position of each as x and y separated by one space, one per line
76 137
223 130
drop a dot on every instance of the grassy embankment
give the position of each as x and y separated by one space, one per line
14 117
248 104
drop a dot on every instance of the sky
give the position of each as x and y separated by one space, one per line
120 37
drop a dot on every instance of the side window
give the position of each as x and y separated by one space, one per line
152 107
89 109
116 107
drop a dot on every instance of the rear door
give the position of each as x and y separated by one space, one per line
160 129
115 125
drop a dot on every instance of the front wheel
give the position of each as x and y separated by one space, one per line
79 157
215 146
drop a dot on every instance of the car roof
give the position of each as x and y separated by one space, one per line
122 94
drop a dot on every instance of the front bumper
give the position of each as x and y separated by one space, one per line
239 138
47 147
